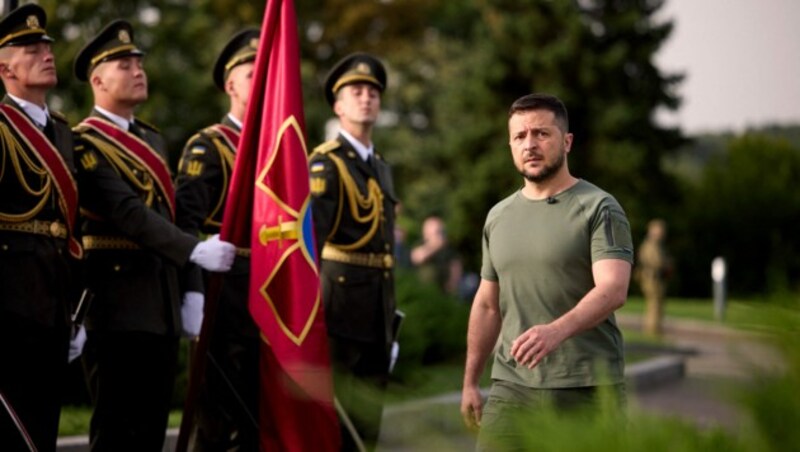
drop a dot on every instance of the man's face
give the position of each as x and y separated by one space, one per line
238 83
122 79
538 145
31 65
358 103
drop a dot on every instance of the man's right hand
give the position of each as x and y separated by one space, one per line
213 254
472 406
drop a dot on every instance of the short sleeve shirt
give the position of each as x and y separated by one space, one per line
541 254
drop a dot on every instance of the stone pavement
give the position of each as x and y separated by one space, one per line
687 379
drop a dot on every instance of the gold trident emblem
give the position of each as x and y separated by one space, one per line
283 231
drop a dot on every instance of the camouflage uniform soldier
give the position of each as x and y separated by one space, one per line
654 268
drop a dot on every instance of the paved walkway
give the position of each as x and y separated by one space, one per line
688 380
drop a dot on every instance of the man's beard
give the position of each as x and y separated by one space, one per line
547 172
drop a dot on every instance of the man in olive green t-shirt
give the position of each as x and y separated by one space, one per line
557 258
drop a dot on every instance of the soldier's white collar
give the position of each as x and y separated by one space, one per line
35 112
235 121
363 151
122 123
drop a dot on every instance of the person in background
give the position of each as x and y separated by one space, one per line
227 404
653 269
436 261
353 205
38 248
557 258
137 259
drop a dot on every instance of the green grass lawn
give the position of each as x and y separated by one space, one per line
741 314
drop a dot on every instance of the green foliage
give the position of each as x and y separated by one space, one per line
742 208
435 326
607 431
773 401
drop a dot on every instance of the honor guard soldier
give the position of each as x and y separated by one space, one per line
227 404
137 259
38 210
353 210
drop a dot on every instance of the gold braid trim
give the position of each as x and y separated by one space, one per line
124 165
372 204
12 148
226 160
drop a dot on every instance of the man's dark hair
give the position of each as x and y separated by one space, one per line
540 101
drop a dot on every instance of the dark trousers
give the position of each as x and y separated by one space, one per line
226 416
131 376
33 361
360 375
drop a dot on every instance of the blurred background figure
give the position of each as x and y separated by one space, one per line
402 256
654 267
436 261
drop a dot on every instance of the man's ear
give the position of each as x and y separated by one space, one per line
5 71
95 80
229 88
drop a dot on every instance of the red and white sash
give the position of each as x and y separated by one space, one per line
49 156
230 135
141 152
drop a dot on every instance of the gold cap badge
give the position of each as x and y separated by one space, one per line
124 36
32 21
362 68
254 43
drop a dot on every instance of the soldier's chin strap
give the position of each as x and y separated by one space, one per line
349 426
17 423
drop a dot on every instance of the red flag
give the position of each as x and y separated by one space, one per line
268 210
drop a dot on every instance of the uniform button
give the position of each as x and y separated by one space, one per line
340 279
386 246
117 268
5 247
385 275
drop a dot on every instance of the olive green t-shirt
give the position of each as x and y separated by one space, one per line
541 255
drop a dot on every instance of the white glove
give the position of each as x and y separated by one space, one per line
213 254
394 355
76 344
192 314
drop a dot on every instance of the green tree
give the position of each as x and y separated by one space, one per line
595 55
743 208
181 39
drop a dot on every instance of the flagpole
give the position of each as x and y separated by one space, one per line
231 231
198 360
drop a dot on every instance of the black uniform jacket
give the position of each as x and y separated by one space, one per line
33 267
204 175
135 289
359 300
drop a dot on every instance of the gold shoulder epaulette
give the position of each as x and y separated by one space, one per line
148 125
58 115
326 147
195 137
209 131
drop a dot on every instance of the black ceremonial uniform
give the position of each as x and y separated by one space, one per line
227 405
38 210
134 256
34 284
356 240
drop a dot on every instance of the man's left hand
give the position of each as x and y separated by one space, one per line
534 344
